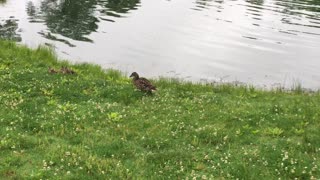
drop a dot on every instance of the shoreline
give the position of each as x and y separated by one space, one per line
294 87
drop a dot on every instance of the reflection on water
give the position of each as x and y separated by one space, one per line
116 6
75 19
206 4
255 41
70 18
203 4
8 30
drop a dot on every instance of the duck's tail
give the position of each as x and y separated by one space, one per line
153 88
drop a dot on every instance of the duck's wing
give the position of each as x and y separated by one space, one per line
146 84
144 80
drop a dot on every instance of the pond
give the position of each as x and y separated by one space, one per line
265 43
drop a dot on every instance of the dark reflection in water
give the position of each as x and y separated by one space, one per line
256 2
70 18
309 8
207 4
255 8
31 9
116 8
301 9
203 4
291 5
123 6
75 19
8 30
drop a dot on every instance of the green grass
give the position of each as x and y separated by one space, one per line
94 125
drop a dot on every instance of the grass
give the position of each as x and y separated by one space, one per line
94 125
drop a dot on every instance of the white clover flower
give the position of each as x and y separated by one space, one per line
204 177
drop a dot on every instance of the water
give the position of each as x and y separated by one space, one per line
260 42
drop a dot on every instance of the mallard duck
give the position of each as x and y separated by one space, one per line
142 84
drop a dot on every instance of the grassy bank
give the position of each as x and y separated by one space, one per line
94 125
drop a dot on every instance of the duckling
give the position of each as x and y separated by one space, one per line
52 71
142 84
66 70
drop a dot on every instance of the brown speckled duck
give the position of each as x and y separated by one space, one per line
142 84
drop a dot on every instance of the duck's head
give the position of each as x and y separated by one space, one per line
135 75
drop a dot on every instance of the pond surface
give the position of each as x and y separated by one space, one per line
260 42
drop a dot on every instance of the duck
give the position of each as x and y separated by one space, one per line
52 71
66 70
142 84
